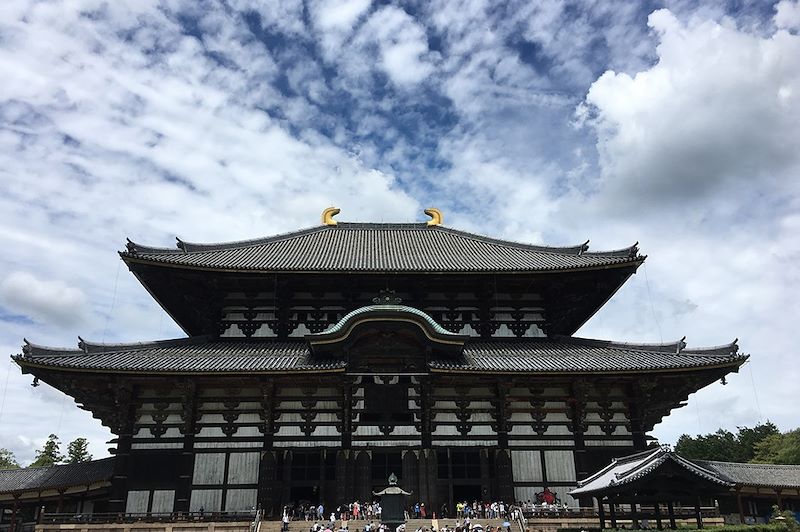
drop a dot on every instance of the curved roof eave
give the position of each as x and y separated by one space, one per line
342 329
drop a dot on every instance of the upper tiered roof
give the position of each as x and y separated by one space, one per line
381 247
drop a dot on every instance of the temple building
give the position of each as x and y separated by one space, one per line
318 362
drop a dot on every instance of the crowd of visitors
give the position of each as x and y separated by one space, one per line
355 510
466 514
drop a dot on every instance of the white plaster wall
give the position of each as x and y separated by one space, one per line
562 493
238 500
372 430
208 500
227 444
560 466
137 502
609 443
209 468
159 445
243 468
526 466
527 493
163 501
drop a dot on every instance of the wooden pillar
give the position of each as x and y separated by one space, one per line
60 505
739 504
342 456
659 524
505 482
268 488
286 492
635 516
122 393
422 479
14 509
601 513
486 477
778 499
433 469
671 512
697 515
502 416
613 511
183 492
347 414
426 415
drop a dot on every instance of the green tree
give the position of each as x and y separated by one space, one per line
721 445
779 449
749 438
50 454
724 445
8 460
77 451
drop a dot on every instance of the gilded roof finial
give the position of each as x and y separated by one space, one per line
436 216
328 214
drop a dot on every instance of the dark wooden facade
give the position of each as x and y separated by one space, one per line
302 384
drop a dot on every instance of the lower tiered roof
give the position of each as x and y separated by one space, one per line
534 356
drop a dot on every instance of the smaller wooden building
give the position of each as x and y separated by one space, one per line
660 486
70 488
649 486
756 489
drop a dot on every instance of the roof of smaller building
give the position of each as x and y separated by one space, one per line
623 471
380 247
767 475
55 477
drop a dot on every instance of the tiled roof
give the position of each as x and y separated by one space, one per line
771 475
628 469
201 354
187 355
571 354
55 477
366 247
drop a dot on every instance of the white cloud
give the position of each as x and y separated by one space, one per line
150 121
720 107
50 301
336 20
403 45
787 14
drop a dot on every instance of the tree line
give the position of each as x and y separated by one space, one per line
762 444
50 454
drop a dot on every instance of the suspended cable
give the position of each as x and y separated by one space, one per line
113 301
755 394
5 390
652 307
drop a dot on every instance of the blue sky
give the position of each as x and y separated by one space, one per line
674 124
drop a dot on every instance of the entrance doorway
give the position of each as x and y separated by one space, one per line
304 495
466 492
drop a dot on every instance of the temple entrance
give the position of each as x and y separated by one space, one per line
466 492
304 494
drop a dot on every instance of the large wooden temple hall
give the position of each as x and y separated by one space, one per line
320 361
